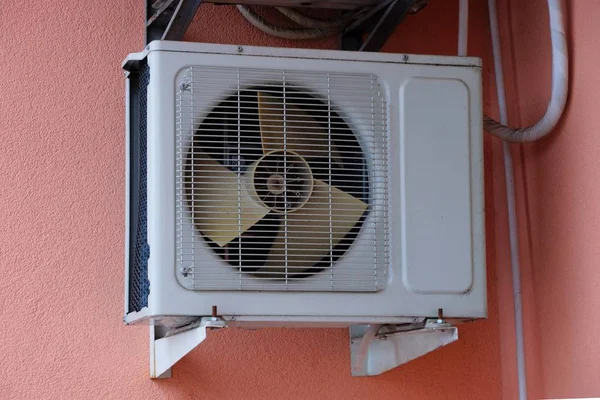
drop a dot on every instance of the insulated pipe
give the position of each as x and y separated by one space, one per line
560 81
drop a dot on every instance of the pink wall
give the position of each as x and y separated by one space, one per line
559 186
61 242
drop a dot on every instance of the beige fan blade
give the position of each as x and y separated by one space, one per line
305 136
309 228
221 207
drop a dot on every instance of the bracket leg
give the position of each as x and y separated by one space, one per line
166 351
388 351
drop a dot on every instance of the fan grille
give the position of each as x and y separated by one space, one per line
239 133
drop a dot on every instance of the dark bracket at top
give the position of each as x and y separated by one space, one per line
169 19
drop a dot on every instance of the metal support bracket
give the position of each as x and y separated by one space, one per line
169 19
168 347
393 346
380 31
389 19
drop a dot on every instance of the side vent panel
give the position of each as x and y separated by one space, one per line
139 251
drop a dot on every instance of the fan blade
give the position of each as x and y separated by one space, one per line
305 136
314 230
221 207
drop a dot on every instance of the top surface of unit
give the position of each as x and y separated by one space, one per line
408 59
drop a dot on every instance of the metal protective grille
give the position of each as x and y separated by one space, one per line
281 180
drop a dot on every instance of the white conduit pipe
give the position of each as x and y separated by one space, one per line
511 207
363 349
509 181
553 113
463 27
560 82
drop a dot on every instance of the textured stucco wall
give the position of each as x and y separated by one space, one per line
61 237
558 184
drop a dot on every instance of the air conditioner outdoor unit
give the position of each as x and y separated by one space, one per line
284 187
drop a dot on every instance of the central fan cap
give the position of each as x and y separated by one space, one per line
282 181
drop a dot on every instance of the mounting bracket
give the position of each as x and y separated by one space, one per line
169 19
166 348
388 20
393 346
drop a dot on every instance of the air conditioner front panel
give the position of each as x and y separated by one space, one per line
406 291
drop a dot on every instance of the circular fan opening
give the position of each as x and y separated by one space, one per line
241 135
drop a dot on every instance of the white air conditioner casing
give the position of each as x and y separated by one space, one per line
435 206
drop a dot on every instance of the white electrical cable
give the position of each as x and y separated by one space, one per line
509 181
463 27
553 113
285 33
314 23
510 186
560 85
511 206
311 28
548 122
363 349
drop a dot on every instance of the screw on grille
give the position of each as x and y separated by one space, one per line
186 271
185 86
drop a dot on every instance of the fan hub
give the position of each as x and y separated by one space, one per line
282 181
276 184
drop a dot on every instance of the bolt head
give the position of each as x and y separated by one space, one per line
185 86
